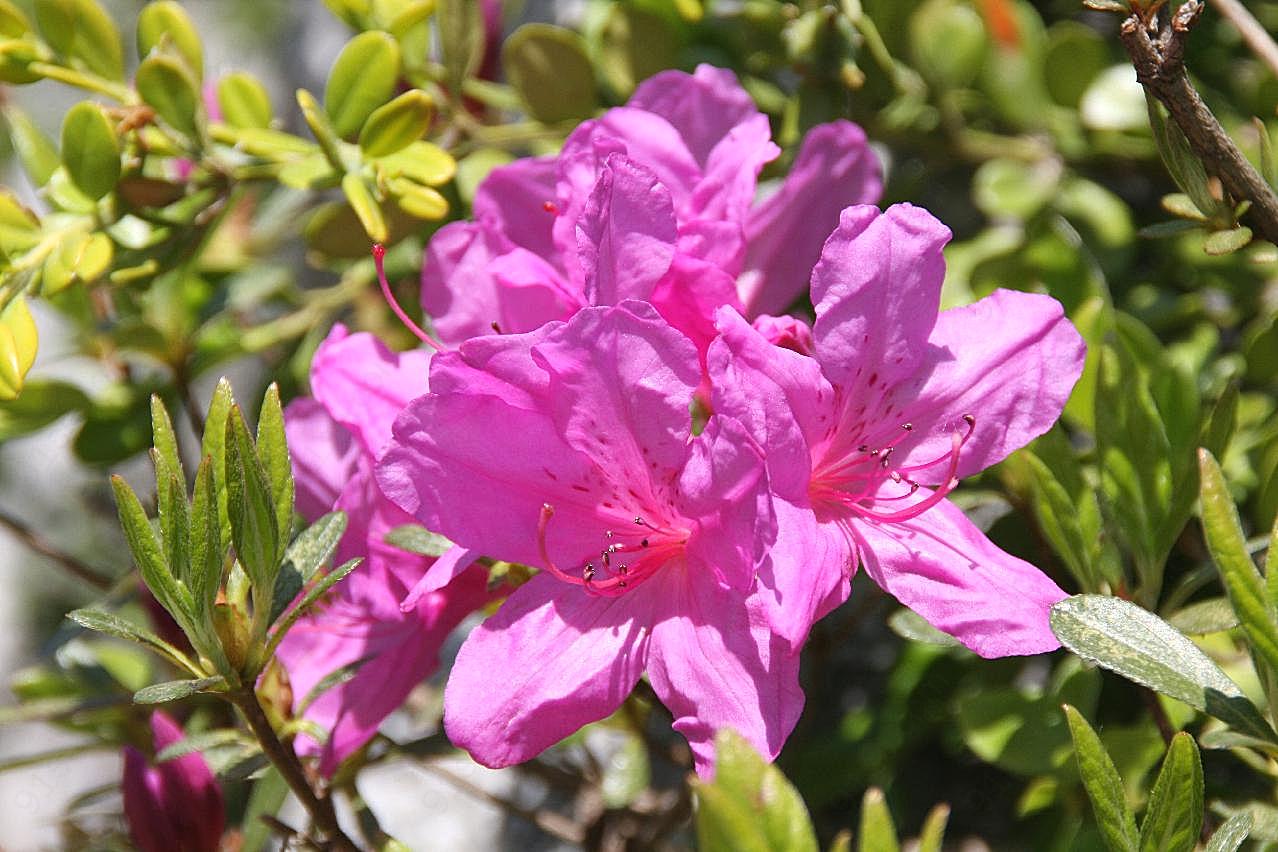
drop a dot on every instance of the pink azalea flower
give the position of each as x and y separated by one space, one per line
176 804
569 448
667 184
334 439
866 438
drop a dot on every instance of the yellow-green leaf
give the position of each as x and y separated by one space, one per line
18 342
422 162
420 202
365 207
549 68
167 20
165 84
398 124
13 23
244 101
363 78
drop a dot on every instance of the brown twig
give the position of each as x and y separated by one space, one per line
66 561
1160 67
554 824
1252 32
319 807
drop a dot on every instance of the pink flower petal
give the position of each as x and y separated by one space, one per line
512 200
835 169
807 574
715 662
945 569
1010 360
325 456
703 106
877 292
552 659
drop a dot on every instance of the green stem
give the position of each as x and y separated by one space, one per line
88 82
285 760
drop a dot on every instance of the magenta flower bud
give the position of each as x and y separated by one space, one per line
174 805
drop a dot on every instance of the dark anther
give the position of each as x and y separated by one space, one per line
643 543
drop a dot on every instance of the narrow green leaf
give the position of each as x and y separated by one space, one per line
1175 814
314 546
877 832
932 837
204 741
908 624
147 554
332 578
396 125
365 207
248 502
207 551
1231 835
1228 548
779 814
1103 784
168 460
175 529
213 445
168 87
97 41
90 149
113 625
362 79
1140 646
272 450
418 539
269 792
244 101
461 37
36 151
1181 161
167 21
176 690
1059 519
1208 616
1271 566
725 823
1220 424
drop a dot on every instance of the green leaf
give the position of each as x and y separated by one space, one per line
422 162
254 530
314 546
752 805
332 578
244 101
1228 548
1182 163
908 624
1227 240
56 19
1209 616
1124 638
365 206
207 551
272 449
176 690
1230 836
932 837
97 42
113 625
420 202
13 23
418 539
213 445
269 793
460 26
39 404
549 68
363 78
1219 428
1175 814
396 125
147 554
1136 474
175 526
90 149
168 460
168 87
166 21
877 832
204 741
36 151
1060 519
627 774
1103 784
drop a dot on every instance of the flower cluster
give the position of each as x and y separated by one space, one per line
694 477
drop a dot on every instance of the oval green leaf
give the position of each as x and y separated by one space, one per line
244 101
549 68
398 124
167 20
169 89
90 149
363 78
